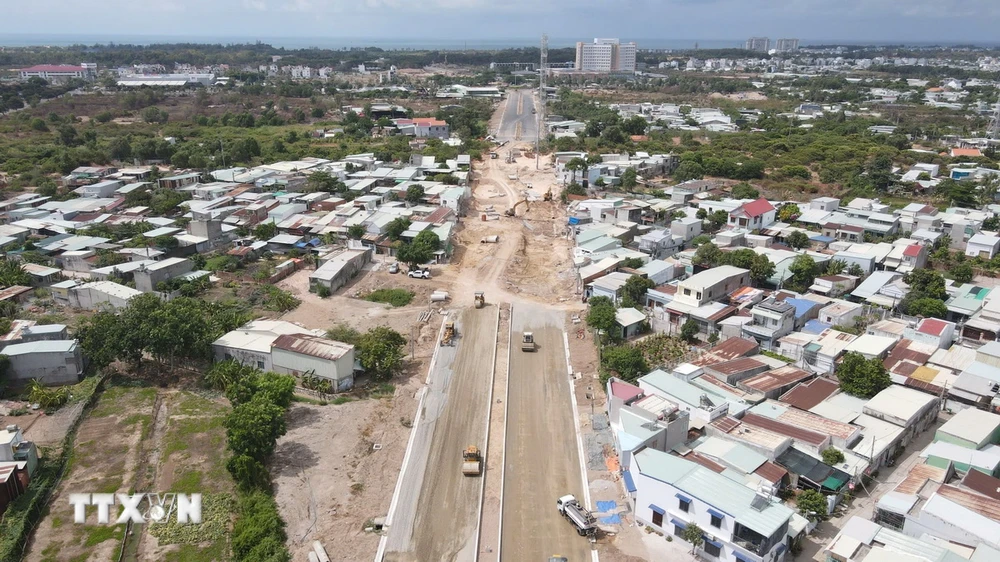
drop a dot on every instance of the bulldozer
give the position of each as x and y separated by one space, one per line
472 461
527 341
449 333
480 299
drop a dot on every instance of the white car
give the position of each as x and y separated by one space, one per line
420 273
394 268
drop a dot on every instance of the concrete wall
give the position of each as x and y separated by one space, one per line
260 360
50 368
92 299
146 280
341 371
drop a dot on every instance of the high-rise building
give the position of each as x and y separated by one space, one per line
606 55
786 45
759 44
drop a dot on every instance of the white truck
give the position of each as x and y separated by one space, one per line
579 516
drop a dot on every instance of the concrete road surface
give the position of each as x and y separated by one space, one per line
517 117
438 507
541 461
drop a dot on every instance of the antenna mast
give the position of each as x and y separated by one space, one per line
542 75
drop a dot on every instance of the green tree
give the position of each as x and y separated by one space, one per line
798 239
632 263
397 227
100 339
259 532
380 352
601 314
634 291
629 179
832 456
224 374
926 307
926 285
789 213
276 389
265 231
803 270
689 331
835 267
742 258
855 270
694 535
812 505
744 191
414 194
862 377
624 361
689 171
761 269
717 220
962 273
355 232
13 273
322 181
252 428
708 255
699 240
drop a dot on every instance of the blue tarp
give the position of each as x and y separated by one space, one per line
629 482
604 507
611 520
815 327
574 220
657 509
718 514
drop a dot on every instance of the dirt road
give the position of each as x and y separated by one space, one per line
542 461
437 509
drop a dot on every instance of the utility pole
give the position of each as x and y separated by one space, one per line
540 113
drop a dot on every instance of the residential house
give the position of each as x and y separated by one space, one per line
337 268
970 428
861 540
609 286
772 320
50 362
630 321
984 245
833 285
251 343
638 421
840 313
753 216
101 295
739 523
306 354
149 276
966 301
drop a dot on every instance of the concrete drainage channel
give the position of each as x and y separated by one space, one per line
493 455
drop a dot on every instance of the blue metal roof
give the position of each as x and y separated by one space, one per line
629 482
802 306
815 327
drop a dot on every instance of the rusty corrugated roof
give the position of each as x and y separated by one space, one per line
808 394
776 378
770 472
740 365
797 433
985 506
726 424
982 483
704 461
314 346
918 476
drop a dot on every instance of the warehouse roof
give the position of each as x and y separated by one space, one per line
722 493
43 346
776 378
899 402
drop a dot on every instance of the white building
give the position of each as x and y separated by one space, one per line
739 524
711 285
605 55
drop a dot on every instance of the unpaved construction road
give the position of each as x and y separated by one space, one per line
437 509
542 460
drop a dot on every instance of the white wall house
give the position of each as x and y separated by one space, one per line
739 523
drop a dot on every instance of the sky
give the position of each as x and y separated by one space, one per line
876 21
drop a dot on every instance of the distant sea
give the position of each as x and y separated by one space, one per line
395 43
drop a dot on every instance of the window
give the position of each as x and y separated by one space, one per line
657 519
687 292
717 522
712 550
683 505
260 364
678 531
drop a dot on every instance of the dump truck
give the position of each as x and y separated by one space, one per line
527 341
472 461
579 516
480 299
449 333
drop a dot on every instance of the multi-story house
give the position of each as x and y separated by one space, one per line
771 320
739 523
753 216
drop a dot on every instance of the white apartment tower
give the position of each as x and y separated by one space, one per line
758 44
606 55
786 45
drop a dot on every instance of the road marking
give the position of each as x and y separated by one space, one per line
579 438
486 437
380 553
506 409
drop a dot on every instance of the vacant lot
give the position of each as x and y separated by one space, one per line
142 439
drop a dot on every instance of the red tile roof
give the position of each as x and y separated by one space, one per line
758 207
624 390
971 152
912 251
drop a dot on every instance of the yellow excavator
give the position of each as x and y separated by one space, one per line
512 212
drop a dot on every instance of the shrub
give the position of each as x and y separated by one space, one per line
394 297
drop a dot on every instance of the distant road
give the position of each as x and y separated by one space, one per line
519 122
